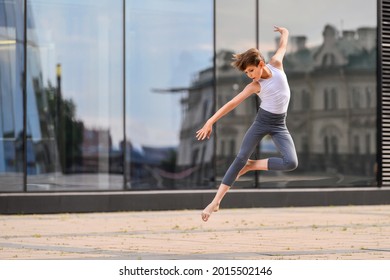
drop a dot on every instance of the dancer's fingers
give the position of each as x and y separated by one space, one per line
200 130
199 134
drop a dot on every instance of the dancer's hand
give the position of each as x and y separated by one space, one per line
204 132
279 29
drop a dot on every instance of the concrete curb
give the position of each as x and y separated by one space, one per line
76 202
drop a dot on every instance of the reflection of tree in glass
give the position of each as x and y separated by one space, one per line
69 130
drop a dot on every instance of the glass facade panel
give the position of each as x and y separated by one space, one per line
169 93
11 95
75 95
331 67
235 33
101 117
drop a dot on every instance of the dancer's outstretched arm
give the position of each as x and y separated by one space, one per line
206 130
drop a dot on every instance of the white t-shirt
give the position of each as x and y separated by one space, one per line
274 92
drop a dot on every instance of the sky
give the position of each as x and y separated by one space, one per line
167 43
303 17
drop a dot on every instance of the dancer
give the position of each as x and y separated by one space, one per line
270 83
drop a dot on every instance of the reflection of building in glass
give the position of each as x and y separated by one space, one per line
153 167
197 108
95 150
42 148
11 97
190 164
332 115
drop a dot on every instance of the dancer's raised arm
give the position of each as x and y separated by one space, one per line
277 58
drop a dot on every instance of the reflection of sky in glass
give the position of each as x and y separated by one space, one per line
308 17
168 42
235 25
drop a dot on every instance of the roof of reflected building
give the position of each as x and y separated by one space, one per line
352 50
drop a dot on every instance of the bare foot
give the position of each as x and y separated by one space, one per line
206 213
246 168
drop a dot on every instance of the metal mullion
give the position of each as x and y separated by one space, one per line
124 147
215 87
257 103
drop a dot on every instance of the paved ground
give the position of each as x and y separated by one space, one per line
351 232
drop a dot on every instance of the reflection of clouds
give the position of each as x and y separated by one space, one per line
75 35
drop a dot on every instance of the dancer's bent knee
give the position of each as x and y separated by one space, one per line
291 165
278 164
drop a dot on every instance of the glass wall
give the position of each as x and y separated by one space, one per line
235 33
169 89
11 95
74 95
116 90
331 67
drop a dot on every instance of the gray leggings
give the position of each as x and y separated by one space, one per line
274 125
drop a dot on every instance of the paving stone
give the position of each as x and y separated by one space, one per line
347 232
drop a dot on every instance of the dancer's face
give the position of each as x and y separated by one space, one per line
254 72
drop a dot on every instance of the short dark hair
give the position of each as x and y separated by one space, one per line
251 57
